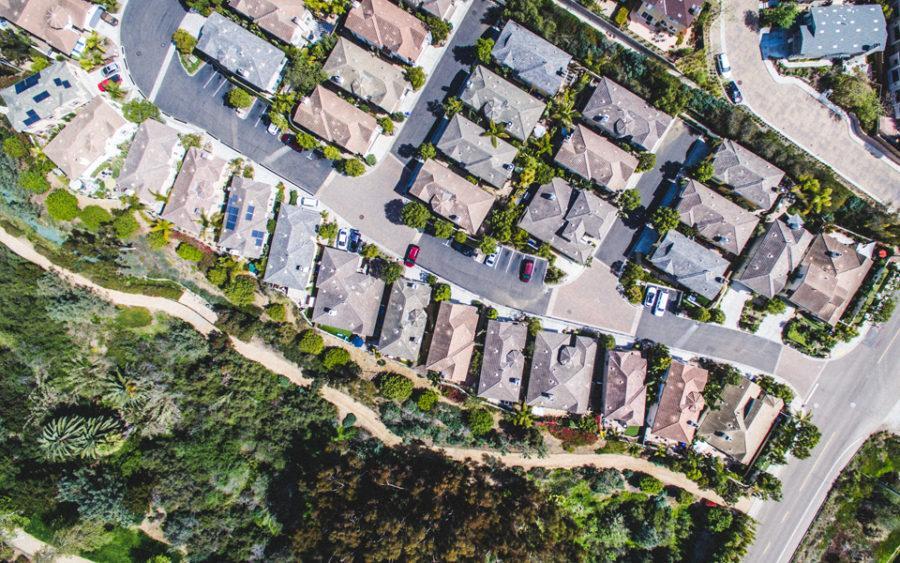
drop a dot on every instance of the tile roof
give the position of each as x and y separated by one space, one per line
717 219
572 221
149 166
681 12
830 275
59 23
443 9
345 297
293 248
465 142
453 341
503 363
502 102
366 76
841 31
41 95
562 370
741 423
680 403
84 139
624 387
288 20
244 229
695 267
620 113
337 121
387 26
451 196
405 320
771 260
241 52
593 157
750 176
536 61
198 191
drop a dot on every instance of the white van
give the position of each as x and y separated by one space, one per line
661 303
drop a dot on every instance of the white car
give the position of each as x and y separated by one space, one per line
490 260
650 297
661 303
309 202
343 238
723 66
273 129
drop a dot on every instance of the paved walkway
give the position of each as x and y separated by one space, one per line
28 545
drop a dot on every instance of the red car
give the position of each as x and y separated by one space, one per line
105 83
411 254
527 270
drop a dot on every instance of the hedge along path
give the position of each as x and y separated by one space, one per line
365 417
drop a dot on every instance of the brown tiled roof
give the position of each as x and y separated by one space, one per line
149 165
452 196
363 74
337 121
198 191
59 23
682 12
717 219
624 387
593 157
387 26
277 17
84 139
620 113
562 370
681 403
453 341
773 258
741 423
345 297
503 363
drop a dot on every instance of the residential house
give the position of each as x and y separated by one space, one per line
830 275
535 61
405 320
150 166
293 249
624 388
572 221
198 192
467 144
595 158
366 76
503 362
58 23
621 114
892 63
562 370
241 53
696 267
384 25
245 228
89 139
674 16
502 102
451 196
839 32
346 298
770 261
716 218
741 423
39 102
287 20
443 9
336 121
453 342
749 176
674 419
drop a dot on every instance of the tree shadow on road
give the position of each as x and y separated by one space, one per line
751 20
392 211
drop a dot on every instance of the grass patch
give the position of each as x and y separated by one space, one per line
633 431
191 63
339 332
126 545
134 317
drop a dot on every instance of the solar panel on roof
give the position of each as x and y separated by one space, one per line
32 118
258 237
57 81
41 97
249 215
66 84
23 85
231 218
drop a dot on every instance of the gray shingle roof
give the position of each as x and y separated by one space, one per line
345 297
695 267
503 363
841 31
741 423
502 102
624 387
443 9
197 192
241 52
293 248
361 73
405 319
595 158
562 370
42 96
464 142
246 215
149 166
717 219
536 61
618 112
771 260
750 176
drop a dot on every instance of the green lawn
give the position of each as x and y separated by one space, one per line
339 332
126 545
633 431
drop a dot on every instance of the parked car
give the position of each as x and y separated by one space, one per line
355 240
490 260
342 239
273 129
412 254
110 69
527 270
650 296
723 66
463 249
309 202
734 93
105 83
109 18
661 303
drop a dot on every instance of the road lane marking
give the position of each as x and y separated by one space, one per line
888 349
211 78
808 397
157 84
786 514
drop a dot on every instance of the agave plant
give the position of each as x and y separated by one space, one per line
100 436
61 438
83 376
120 391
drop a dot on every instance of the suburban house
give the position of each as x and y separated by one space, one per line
562 371
346 298
839 32
89 139
443 9
451 196
59 24
674 419
39 102
293 250
892 64
502 102
198 192
830 275
366 76
621 114
287 20
241 53
572 221
244 230
336 120
716 218
384 25
739 426
624 388
150 165
534 60
503 362
773 257
696 267
405 320
749 176
466 143
674 16
595 158
453 342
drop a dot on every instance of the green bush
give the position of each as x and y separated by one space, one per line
415 215
241 291
480 421
665 219
427 151
33 180
62 206
783 15
704 171
441 292
134 317
239 98
139 111
125 225
277 312
416 77
353 167
387 126
630 200
184 41
483 48
646 161
650 485
93 217
621 16
14 147
335 357
443 228
427 399
395 387
331 152
311 342
491 314
189 252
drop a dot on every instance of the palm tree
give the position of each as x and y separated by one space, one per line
543 144
164 227
562 109
82 376
452 106
495 131
115 90
120 392
522 416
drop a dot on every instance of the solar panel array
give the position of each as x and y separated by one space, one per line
63 83
41 97
32 118
29 82
258 237
250 210
231 217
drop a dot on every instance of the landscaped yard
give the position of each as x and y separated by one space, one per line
339 332
812 337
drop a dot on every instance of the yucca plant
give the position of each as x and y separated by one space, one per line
61 438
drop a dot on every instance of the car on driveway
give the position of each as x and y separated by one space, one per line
104 84
734 93
342 239
723 66
110 69
661 303
526 270
412 253
273 129
650 297
462 248
109 18
490 260
355 240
